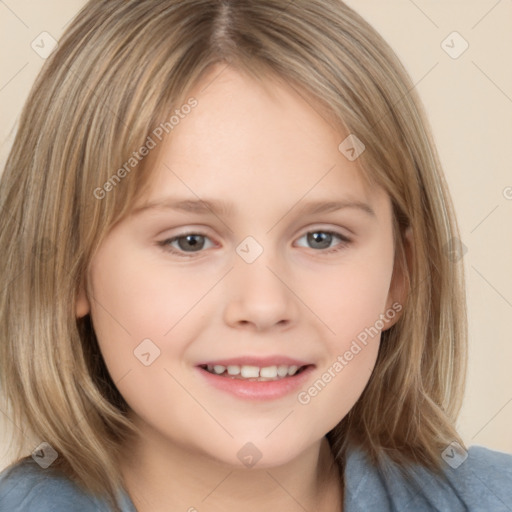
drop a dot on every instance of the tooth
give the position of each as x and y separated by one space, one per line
234 370
269 372
282 370
249 371
292 370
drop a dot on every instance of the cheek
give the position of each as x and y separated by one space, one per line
351 296
351 305
134 299
145 301
132 302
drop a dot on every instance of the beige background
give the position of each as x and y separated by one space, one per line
469 103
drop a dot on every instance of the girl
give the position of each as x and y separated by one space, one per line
225 276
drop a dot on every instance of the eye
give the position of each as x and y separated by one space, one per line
185 243
322 239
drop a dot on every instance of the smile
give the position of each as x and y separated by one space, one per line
254 373
263 381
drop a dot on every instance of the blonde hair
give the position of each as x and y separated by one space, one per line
120 70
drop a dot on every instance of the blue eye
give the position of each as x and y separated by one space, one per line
187 244
322 240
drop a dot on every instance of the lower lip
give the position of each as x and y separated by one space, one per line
258 390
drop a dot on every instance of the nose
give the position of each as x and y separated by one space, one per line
259 296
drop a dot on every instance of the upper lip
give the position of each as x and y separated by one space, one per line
261 362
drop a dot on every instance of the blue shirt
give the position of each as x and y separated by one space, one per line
481 483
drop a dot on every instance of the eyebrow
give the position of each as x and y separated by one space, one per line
219 207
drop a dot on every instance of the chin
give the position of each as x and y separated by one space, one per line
261 452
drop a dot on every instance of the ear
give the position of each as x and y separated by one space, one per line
83 306
399 289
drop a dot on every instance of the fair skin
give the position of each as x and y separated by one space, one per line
267 155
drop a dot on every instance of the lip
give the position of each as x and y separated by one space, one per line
261 362
257 390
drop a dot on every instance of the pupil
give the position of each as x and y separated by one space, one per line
323 238
192 241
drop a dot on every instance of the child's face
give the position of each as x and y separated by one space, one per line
267 158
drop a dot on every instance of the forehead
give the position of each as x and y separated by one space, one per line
252 140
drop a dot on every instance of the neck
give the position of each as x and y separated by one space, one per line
161 476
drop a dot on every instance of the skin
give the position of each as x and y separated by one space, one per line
267 151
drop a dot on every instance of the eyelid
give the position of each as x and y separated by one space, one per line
345 241
328 228
165 244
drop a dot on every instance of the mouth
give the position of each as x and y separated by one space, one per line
256 378
251 372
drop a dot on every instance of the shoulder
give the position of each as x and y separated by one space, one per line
497 465
477 480
27 487
483 480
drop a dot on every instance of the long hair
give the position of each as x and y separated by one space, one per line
119 72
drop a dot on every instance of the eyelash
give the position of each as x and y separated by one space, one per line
165 244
